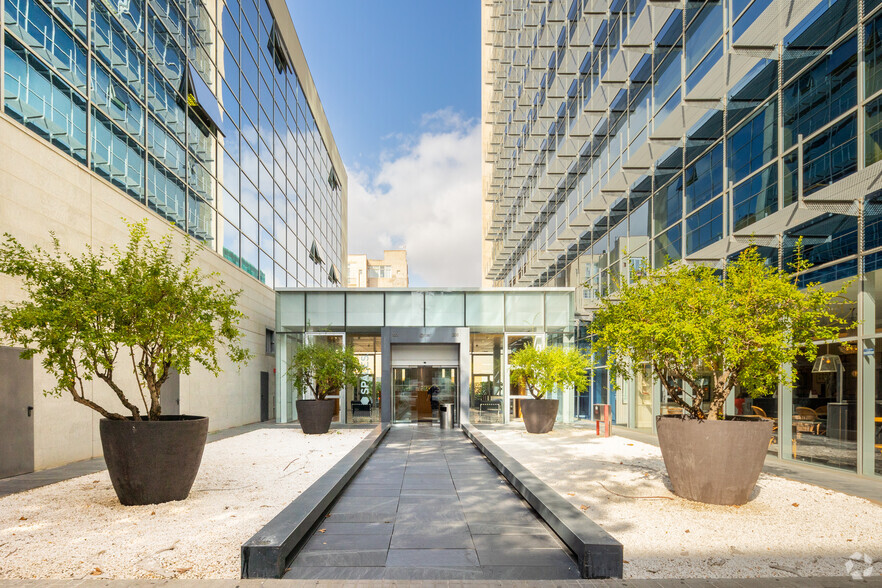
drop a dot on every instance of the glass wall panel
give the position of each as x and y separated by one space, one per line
485 310
704 178
43 35
703 33
524 311
704 227
404 309
364 403
486 393
753 144
364 309
824 92
42 101
824 409
166 193
668 246
667 204
116 156
116 101
558 311
445 309
755 198
830 156
116 48
325 310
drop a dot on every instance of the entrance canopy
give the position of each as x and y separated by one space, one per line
421 348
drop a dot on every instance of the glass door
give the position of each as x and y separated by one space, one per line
419 391
515 392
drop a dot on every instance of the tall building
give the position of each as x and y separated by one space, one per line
196 113
624 132
389 272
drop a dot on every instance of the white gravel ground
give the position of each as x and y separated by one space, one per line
787 529
78 528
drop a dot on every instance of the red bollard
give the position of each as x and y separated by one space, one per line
603 414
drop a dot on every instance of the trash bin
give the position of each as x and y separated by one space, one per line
446 415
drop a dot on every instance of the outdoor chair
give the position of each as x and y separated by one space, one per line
806 420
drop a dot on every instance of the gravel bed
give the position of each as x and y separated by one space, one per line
78 529
787 529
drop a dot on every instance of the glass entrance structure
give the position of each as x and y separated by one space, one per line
423 348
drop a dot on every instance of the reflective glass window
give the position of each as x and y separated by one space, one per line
116 102
704 227
703 33
230 244
74 14
826 23
117 49
667 79
166 193
165 103
668 246
874 131
821 94
42 101
116 156
200 180
364 309
200 218
667 205
826 238
790 188
873 55
756 198
485 310
704 178
250 258
753 144
165 52
830 156
43 35
164 147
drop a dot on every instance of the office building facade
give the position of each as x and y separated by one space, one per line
198 114
389 272
628 132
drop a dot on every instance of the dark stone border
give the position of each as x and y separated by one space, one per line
599 554
267 553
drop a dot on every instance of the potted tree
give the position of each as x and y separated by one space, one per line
540 371
139 313
692 327
320 369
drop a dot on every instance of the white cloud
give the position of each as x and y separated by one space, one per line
426 198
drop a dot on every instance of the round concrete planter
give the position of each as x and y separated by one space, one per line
315 416
150 462
539 414
715 462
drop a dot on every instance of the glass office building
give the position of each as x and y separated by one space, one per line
202 111
628 132
421 349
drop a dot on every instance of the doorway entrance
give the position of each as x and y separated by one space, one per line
419 391
16 413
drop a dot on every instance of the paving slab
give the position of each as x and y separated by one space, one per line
451 516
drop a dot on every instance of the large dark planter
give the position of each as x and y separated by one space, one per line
315 415
153 461
539 414
716 462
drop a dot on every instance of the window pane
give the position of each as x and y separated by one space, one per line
667 246
166 193
756 198
43 102
117 49
754 143
364 309
704 178
703 33
116 156
704 227
404 309
524 311
558 310
830 156
444 309
485 310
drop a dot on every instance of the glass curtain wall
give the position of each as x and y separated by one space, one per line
189 110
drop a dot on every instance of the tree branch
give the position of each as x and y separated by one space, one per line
107 378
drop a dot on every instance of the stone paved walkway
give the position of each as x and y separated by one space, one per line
428 505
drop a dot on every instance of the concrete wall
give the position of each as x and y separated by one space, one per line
42 190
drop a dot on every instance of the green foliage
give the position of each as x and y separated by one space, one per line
542 370
690 324
139 309
324 369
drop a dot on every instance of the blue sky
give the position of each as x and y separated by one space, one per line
400 81
380 65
